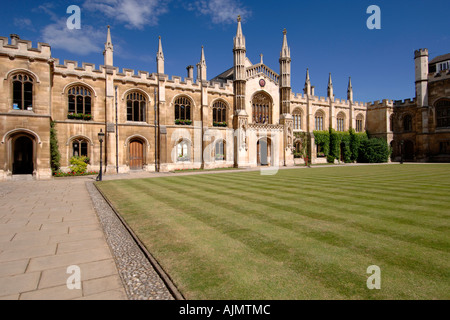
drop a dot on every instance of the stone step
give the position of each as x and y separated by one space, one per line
22 177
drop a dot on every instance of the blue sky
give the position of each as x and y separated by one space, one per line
324 36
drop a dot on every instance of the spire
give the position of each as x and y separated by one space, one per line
202 65
108 43
307 89
285 64
285 51
202 57
160 58
350 90
330 87
239 40
108 52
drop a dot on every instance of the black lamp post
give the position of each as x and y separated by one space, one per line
101 136
401 152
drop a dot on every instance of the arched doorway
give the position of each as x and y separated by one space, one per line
22 155
136 155
342 152
409 150
263 150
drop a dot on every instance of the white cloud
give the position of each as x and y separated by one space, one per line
135 13
221 11
23 23
80 41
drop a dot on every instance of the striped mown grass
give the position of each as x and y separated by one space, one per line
300 234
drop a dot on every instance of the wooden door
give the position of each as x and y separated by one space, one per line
136 155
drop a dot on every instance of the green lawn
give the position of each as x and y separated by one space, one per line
307 233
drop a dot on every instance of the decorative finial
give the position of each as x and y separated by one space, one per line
284 31
239 18
261 55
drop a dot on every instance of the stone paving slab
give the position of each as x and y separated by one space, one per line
45 227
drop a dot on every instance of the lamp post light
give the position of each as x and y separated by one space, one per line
401 151
101 136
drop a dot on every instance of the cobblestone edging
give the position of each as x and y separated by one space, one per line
141 280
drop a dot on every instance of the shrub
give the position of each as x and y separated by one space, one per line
78 164
330 158
373 150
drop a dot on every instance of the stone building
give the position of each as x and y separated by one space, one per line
418 129
247 116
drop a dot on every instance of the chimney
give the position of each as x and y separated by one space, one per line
190 72
14 39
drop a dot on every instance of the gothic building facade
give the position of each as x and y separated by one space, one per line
247 116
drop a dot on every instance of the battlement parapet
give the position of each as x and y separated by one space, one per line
70 67
359 104
298 95
19 47
405 102
420 53
380 104
221 86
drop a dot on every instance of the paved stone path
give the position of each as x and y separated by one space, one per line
45 227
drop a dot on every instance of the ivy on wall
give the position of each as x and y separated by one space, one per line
305 143
334 143
322 139
55 156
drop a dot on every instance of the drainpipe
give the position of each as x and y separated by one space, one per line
156 137
117 136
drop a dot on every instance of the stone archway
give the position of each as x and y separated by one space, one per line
136 154
22 154
263 151
409 150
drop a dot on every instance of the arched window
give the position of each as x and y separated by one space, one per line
22 85
183 111
359 123
183 153
297 118
319 120
79 147
220 150
443 114
136 107
261 108
340 122
407 123
79 102
219 114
